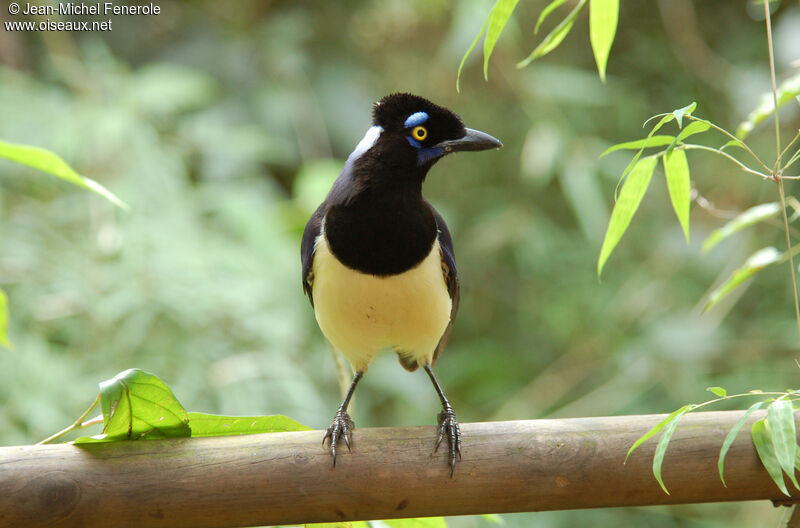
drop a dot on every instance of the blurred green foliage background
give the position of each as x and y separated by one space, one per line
223 124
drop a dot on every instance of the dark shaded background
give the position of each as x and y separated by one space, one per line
223 124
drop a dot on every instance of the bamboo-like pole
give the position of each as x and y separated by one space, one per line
288 478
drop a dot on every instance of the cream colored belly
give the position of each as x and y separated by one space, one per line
362 314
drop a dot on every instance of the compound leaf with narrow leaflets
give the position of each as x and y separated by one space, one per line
629 199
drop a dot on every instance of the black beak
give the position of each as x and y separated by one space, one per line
473 140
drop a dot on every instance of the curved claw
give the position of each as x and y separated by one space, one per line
448 428
340 429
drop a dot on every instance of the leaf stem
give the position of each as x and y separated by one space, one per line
732 396
76 425
692 146
742 143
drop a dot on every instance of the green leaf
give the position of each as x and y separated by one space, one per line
788 90
546 11
603 16
4 320
499 16
680 112
666 118
758 261
661 448
780 422
726 445
648 142
657 428
691 129
339 524
554 38
44 160
732 143
695 127
423 522
469 50
763 443
216 425
629 199
676 169
138 405
719 391
493 518
756 214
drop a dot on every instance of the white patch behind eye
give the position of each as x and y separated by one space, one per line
366 143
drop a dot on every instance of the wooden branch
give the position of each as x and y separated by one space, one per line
287 478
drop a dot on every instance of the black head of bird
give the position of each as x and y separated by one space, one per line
378 260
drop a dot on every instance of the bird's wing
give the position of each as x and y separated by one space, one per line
310 233
450 276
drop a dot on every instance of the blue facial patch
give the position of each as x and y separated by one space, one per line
425 154
417 118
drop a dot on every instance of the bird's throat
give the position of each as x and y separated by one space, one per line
381 235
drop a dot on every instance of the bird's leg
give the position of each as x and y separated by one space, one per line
448 425
342 425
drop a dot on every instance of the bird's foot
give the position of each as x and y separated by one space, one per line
448 428
340 429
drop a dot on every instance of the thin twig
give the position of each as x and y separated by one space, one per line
774 85
76 425
712 209
775 171
789 250
794 158
796 136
